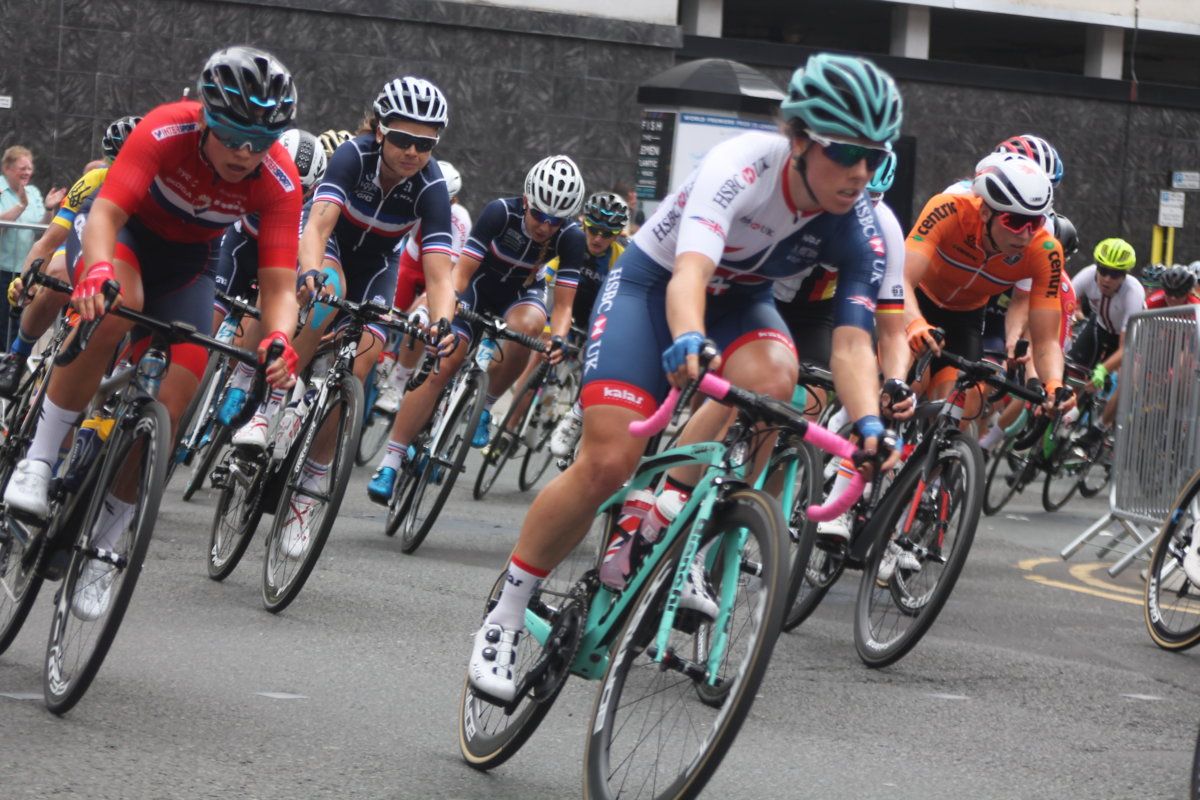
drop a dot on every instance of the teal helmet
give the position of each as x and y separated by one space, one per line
884 177
845 96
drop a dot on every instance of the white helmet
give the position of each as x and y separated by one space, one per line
555 186
1013 183
412 98
306 150
453 178
1195 268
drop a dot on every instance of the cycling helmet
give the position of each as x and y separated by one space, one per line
331 140
116 134
248 88
555 186
1014 184
1177 280
452 176
414 99
1115 253
1068 237
308 154
1195 268
1037 149
844 96
606 210
884 177
1153 272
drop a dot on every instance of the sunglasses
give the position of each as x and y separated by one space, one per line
403 141
848 154
546 218
596 230
1178 294
236 138
1021 223
1109 272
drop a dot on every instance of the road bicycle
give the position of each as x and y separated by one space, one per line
1172 601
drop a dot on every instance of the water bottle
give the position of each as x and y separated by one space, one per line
93 433
615 569
666 508
293 416
151 369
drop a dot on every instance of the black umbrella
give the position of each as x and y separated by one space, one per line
715 83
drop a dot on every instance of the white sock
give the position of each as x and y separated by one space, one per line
243 376
839 420
394 455
522 582
993 437
844 475
313 475
399 376
114 518
52 428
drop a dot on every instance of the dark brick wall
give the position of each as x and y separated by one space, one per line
521 84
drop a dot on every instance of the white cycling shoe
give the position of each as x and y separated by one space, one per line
93 590
28 489
895 558
566 436
492 657
697 593
389 399
835 531
293 539
254 433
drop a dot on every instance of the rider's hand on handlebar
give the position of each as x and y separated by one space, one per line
556 351
280 373
920 336
308 284
877 441
1059 398
88 297
446 338
897 400
681 361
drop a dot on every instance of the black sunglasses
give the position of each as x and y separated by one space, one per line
596 230
847 154
1109 272
403 141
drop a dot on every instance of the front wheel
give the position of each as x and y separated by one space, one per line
653 730
558 396
1064 475
107 560
239 509
505 444
1172 607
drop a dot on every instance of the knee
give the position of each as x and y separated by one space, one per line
604 469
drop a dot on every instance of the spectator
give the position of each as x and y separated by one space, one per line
20 201
636 215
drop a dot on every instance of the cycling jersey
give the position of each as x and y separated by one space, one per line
460 227
372 222
591 276
80 191
1111 312
410 282
1068 301
161 178
1158 299
736 209
501 244
237 258
961 276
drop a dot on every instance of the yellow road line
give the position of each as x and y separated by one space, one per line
1085 573
1029 563
1071 587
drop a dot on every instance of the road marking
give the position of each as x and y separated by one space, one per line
1016 517
281 696
1028 564
1071 587
22 695
944 696
1142 696
1085 573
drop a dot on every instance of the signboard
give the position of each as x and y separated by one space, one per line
699 131
1185 180
5 101
654 154
1170 209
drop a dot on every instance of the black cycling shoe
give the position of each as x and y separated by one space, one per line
12 367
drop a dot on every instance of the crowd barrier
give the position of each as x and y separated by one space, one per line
1158 433
29 226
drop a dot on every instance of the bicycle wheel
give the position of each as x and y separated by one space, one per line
206 458
1096 473
505 444
284 574
443 460
802 554
377 428
1172 607
238 512
935 525
199 413
1006 475
650 733
77 646
557 398
1063 476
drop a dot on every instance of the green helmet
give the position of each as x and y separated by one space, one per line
1115 254
845 96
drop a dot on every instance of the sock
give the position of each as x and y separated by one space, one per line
22 345
844 475
399 376
271 407
395 454
114 518
839 420
52 428
243 376
993 437
313 475
522 582
490 401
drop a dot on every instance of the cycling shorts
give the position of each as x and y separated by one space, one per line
237 266
811 327
370 276
964 329
628 331
489 293
1093 344
410 282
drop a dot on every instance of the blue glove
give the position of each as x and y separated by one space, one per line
685 344
869 427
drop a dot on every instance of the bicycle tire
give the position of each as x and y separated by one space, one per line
802 596
1062 478
492 464
151 422
556 400
200 409
376 429
210 453
453 448
922 610
1096 474
1008 485
278 594
1172 603
236 517
760 515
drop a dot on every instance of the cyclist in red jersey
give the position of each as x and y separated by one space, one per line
1177 287
185 174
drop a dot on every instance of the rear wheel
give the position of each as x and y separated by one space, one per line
505 444
1006 473
377 427
238 512
558 395
1172 607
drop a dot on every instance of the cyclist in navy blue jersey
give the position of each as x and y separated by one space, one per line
500 272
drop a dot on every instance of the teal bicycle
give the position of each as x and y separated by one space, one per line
675 686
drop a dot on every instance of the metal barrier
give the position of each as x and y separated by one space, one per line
1158 432
30 226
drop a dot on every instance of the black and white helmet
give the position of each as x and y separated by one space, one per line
414 99
116 134
1177 279
331 140
249 88
606 209
306 151
452 176
1014 183
555 186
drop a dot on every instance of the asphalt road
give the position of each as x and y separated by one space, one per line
1038 680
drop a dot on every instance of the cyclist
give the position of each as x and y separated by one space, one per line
377 187
411 284
605 215
187 171
498 272
1176 288
759 207
237 262
968 248
39 315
